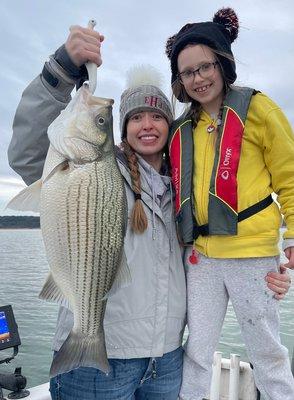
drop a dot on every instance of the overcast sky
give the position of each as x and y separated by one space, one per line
135 33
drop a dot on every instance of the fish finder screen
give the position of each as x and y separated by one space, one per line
4 330
9 336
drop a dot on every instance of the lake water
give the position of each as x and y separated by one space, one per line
23 268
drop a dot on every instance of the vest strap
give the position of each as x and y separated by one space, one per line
203 230
255 208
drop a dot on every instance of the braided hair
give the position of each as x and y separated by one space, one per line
138 220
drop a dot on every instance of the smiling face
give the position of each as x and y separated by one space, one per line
147 133
207 91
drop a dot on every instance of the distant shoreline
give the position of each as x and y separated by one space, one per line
8 228
19 222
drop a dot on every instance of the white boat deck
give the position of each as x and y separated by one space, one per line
40 392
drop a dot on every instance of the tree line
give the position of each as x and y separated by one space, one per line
19 222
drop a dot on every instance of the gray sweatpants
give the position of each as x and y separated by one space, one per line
210 284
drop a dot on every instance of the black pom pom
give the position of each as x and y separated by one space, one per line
169 45
228 18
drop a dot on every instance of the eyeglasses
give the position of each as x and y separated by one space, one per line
205 71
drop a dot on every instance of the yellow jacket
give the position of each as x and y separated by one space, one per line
266 166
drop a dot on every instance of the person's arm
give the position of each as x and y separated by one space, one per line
40 104
44 99
279 157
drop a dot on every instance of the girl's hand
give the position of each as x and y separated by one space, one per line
279 282
289 253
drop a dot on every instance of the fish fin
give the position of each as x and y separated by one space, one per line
28 199
62 166
81 350
54 162
51 292
122 279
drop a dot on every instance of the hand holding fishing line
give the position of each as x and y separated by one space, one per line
84 44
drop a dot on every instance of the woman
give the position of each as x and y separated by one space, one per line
144 323
234 146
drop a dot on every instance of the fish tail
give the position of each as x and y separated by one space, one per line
81 351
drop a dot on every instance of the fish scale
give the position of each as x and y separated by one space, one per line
85 255
92 249
83 215
104 242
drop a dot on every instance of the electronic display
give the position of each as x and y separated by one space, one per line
9 336
4 330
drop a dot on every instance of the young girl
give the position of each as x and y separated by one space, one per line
229 152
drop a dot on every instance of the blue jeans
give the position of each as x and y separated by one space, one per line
157 378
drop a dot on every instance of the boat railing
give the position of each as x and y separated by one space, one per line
232 379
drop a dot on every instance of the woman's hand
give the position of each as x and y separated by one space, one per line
84 44
279 282
289 253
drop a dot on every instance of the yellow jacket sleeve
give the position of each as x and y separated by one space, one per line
278 143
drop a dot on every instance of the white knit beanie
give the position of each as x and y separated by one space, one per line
143 94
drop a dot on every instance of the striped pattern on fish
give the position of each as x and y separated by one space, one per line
83 213
85 249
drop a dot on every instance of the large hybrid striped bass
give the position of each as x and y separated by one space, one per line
83 220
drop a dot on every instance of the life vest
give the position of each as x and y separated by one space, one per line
223 216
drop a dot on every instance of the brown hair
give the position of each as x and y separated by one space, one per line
139 222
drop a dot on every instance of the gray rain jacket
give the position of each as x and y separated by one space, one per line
147 318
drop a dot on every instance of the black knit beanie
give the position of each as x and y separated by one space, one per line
218 35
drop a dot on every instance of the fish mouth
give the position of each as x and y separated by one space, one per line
100 101
96 101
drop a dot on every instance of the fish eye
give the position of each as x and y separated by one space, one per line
100 120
